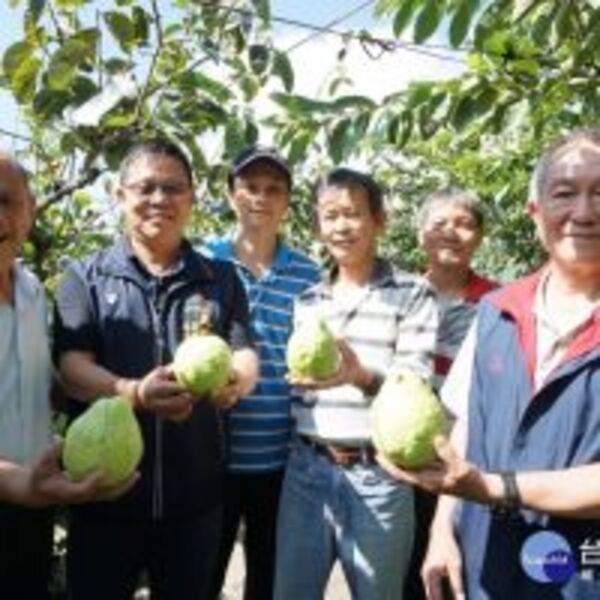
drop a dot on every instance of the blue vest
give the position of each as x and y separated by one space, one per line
530 556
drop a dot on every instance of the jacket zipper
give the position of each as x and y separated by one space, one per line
159 346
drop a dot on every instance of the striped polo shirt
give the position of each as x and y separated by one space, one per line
260 424
456 315
390 323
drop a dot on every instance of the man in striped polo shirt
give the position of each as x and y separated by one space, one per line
273 274
337 503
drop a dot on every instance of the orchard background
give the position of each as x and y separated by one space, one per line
89 77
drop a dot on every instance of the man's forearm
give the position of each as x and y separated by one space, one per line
14 482
572 493
85 380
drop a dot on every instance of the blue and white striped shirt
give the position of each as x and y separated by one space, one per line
260 424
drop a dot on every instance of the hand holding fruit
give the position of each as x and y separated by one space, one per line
159 392
349 371
50 485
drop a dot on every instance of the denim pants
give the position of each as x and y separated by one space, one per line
356 514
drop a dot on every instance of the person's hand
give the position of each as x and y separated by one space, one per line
350 372
47 484
451 474
442 565
160 393
227 396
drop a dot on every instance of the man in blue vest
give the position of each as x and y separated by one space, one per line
524 455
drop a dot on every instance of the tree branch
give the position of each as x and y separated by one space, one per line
17 136
87 179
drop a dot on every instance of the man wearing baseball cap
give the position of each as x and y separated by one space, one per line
260 185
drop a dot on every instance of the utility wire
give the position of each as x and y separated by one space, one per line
361 36
337 21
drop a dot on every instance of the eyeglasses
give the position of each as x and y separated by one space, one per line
146 189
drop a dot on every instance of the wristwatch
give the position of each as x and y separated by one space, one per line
511 499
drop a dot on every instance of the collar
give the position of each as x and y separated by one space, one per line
27 287
382 275
122 261
477 286
517 300
226 249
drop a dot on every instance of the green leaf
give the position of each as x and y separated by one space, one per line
337 140
473 105
258 56
427 21
563 24
121 27
234 137
48 104
405 129
141 25
301 104
196 81
14 57
461 21
282 68
263 10
403 16
35 9
299 145
417 94
24 79
525 67
353 102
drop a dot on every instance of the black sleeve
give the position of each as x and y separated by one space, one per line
74 325
237 325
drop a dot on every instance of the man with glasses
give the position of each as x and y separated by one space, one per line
120 315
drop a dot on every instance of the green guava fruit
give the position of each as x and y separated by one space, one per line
202 364
105 437
312 352
406 417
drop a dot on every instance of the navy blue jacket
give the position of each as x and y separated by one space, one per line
132 321
511 427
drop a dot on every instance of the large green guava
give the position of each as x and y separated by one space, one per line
203 364
406 417
105 437
312 351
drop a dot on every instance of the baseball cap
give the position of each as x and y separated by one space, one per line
254 154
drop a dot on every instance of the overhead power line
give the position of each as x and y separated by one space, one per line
337 21
386 45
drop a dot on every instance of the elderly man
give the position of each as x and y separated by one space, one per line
30 477
120 315
525 389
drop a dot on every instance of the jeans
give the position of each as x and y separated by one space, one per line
253 498
356 514
105 557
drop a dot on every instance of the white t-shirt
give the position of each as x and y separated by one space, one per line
554 331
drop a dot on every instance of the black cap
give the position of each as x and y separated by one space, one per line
254 154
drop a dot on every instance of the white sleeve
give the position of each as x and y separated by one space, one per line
456 388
